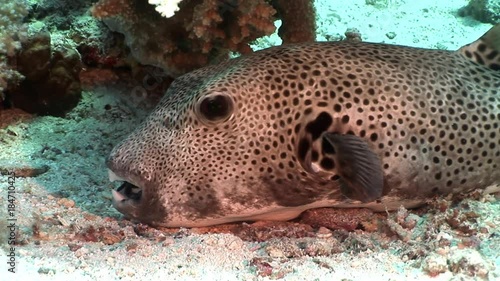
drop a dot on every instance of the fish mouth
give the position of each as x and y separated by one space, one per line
127 191
127 197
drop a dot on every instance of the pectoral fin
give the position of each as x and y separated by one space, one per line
359 168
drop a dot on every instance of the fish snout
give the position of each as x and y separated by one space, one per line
134 176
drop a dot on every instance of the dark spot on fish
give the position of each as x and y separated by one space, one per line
319 125
304 146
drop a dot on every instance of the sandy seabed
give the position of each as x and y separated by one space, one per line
68 230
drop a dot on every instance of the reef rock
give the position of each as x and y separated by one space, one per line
487 11
200 32
51 85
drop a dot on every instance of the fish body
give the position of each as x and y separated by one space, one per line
326 124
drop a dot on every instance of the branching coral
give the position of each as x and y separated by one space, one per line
200 31
231 26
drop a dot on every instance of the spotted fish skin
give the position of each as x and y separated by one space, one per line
341 124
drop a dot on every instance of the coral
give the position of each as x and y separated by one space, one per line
402 224
60 15
262 231
201 31
101 234
253 18
299 20
435 264
70 22
353 34
487 11
12 31
346 219
166 8
469 262
52 84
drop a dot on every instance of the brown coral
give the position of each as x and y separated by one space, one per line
202 30
346 219
298 20
215 25
110 8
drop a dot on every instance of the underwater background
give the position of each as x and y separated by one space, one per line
77 76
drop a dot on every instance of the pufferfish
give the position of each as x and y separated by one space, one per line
327 124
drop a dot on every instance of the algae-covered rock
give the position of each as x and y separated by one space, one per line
52 83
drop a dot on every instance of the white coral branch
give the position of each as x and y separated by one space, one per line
166 8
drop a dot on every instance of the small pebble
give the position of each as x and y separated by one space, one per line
435 264
210 241
68 203
324 233
46 270
391 35
125 272
81 252
235 244
274 252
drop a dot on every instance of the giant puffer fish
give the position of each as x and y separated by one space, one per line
328 124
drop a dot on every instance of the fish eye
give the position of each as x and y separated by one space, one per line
215 107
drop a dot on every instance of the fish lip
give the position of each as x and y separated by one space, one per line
128 196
